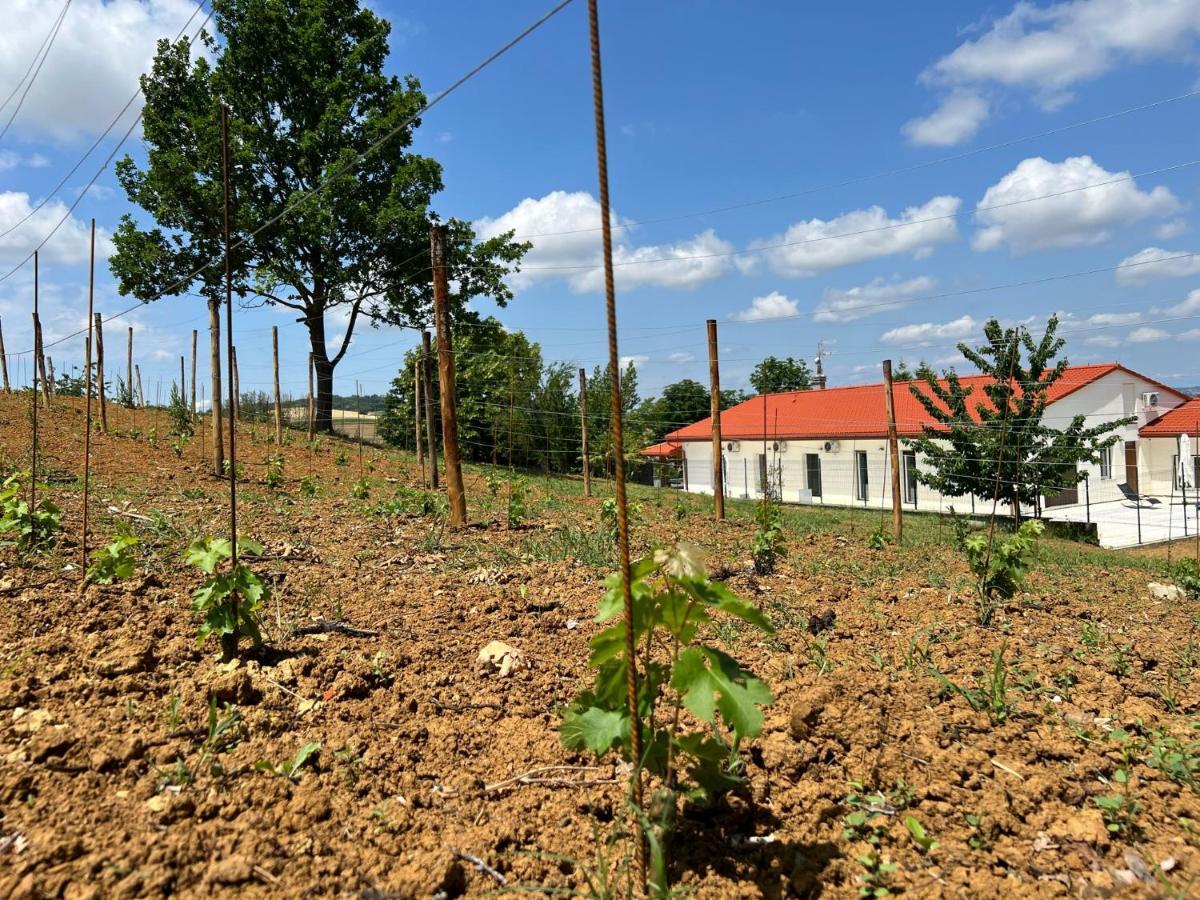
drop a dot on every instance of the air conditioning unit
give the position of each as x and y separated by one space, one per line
733 446
1150 398
779 446
833 446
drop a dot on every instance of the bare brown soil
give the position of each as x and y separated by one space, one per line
104 699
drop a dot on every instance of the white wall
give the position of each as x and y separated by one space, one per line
1114 396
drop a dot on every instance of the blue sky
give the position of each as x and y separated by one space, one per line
745 139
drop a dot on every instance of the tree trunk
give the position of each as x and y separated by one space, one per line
323 402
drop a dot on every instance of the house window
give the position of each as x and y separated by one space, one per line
812 468
1106 464
909 459
862 489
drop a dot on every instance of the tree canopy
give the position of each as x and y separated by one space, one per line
997 442
773 375
331 209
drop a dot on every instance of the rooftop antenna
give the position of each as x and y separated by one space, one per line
819 378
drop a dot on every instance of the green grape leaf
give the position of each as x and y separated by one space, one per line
594 729
710 680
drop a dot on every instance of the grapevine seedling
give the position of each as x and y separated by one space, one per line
308 487
361 489
289 768
274 474
1000 570
768 546
214 598
34 529
518 490
341 459
672 599
114 561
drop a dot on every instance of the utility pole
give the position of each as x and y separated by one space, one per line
100 373
427 394
583 422
714 376
278 399
893 452
441 305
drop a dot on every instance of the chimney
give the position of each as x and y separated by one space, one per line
819 378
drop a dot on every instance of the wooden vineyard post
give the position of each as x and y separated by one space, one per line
137 376
87 392
129 365
4 364
192 402
618 440
893 452
41 364
278 399
417 417
50 369
427 396
100 373
714 377
236 402
310 401
33 393
229 642
441 305
583 422
182 384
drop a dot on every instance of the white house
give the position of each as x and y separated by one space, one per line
830 446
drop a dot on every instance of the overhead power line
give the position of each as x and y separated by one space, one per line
48 45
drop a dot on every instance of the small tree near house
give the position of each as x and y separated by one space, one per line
994 440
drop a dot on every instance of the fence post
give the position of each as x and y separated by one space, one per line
50 380
41 364
894 452
278 399
417 412
427 395
100 373
714 376
454 480
583 423
192 401
129 363
137 375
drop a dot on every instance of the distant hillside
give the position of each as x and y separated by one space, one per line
367 403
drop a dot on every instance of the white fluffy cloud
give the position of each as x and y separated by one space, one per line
68 245
12 160
1071 220
819 245
94 65
563 228
928 332
772 306
1189 306
681 357
957 117
1154 263
865 300
1146 335
637 361
1048 50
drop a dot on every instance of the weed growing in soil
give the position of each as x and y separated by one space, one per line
114 561
1186 574
879 539
221 735
289 768
990 694
308 487
213 599
361 489
982 837
34 529
673 598
1120 814
608 517
341 458
920 837
1001 572
768 546
239 474
876 875
1178 760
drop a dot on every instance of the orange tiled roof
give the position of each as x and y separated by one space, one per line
858 411
1183 419
665 450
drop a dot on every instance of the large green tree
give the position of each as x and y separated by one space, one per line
995 441
773 375
331 208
